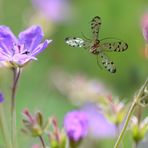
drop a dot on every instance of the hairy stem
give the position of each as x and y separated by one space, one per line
16 75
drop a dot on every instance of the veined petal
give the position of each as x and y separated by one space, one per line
40 48
7 39
31 37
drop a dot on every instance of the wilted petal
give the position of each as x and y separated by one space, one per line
40 47
31 37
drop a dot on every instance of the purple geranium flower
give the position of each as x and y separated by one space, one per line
19 51
76 125
1 98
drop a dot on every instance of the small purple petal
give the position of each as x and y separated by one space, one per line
40 47
76 125
31 37
7 39
1 98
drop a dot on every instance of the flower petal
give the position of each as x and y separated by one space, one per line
31 37
40 48
7 39
1 98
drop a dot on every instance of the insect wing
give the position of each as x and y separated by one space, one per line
117 46
74 42
95 26
107 63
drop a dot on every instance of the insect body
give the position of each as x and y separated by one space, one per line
99 47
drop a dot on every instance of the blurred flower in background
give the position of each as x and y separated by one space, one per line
144 23
139 130
36 146
76 125
78 88
99 126
105 112
48 13
1 98
54 10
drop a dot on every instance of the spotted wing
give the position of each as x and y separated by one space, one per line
95 26
77 42
118 46
107 63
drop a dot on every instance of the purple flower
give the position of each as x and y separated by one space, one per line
19 51
99 126
55 10
1 98
76 125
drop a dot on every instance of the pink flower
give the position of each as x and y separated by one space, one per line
144 23
35 146
76 125
145 26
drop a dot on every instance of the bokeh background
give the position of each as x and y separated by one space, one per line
120 19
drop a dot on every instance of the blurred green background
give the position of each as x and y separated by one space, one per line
121 19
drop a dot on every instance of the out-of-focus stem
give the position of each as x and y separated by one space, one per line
135 144
134 103
4 128
42 141
129 114
16 75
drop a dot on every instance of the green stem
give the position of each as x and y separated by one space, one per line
42 141
16 75
4 128
135 145
132 107
129 114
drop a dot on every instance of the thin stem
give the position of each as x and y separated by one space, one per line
126 123
42 141
16 75
135 145
129 114
118 132
4 128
